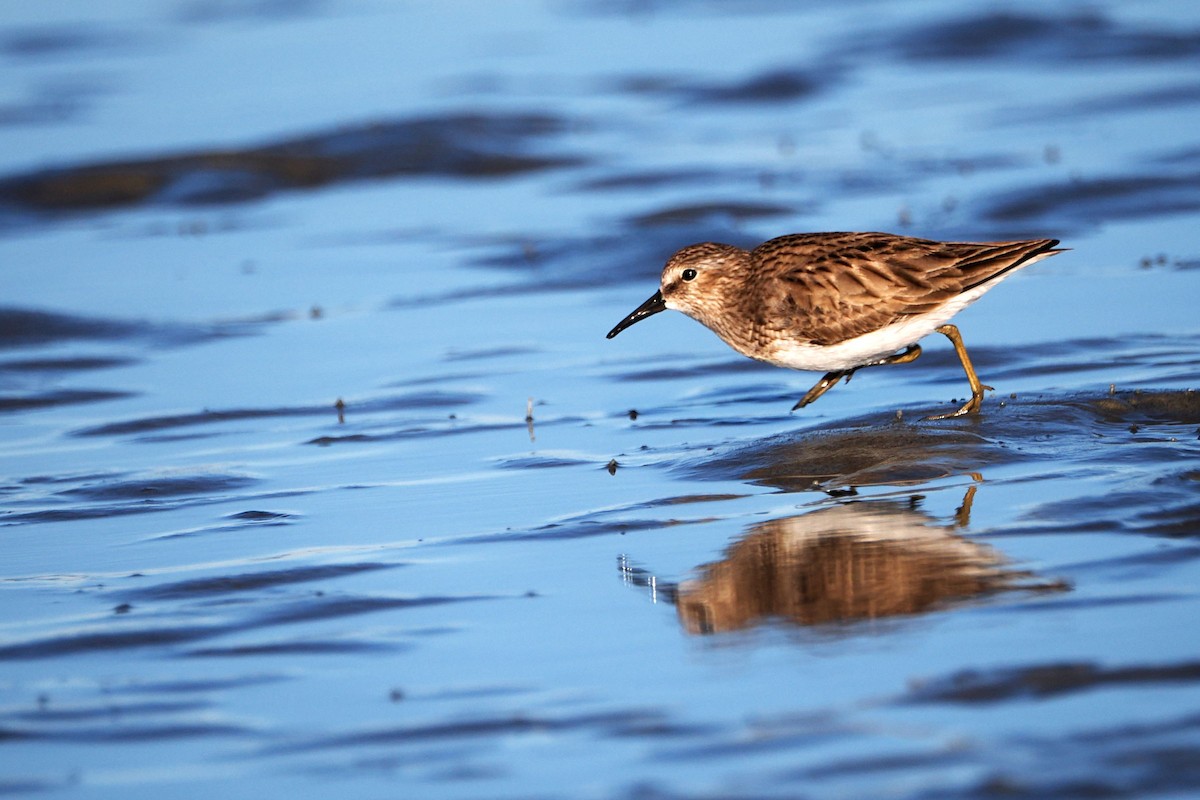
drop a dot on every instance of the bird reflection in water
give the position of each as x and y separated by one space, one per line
849 563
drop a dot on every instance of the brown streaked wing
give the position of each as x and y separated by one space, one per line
842 285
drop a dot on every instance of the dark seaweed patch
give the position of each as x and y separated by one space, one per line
413 400
21 327
1161 507
695 213
613 180
75 364
193 686
261 516
1044 680
45 42
154 424
784 85
576 529
153 733
451 427
304 647
486 353
1127 760
164 486
616 723
106 711
333 607
1084 203
58 397
103 639
124 493
134 631
25 327
1014 37
541 462
456 145
200 588
892 762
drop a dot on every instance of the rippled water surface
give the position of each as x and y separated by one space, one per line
319 478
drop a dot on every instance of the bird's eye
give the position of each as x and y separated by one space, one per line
689 275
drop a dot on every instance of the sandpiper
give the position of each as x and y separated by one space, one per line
837 302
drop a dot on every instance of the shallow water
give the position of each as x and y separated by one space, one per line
280 284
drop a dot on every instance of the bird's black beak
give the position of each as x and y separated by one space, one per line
647 309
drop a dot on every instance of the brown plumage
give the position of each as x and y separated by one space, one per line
836 301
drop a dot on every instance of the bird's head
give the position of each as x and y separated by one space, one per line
698 280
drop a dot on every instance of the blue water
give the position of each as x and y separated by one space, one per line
218 219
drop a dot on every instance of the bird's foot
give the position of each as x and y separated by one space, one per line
972 406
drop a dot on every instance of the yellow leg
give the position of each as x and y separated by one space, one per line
910 354
822 386
972 406
831 378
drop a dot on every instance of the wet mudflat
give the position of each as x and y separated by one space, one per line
317 474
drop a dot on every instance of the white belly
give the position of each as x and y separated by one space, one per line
870 346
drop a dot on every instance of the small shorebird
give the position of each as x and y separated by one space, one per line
837 302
